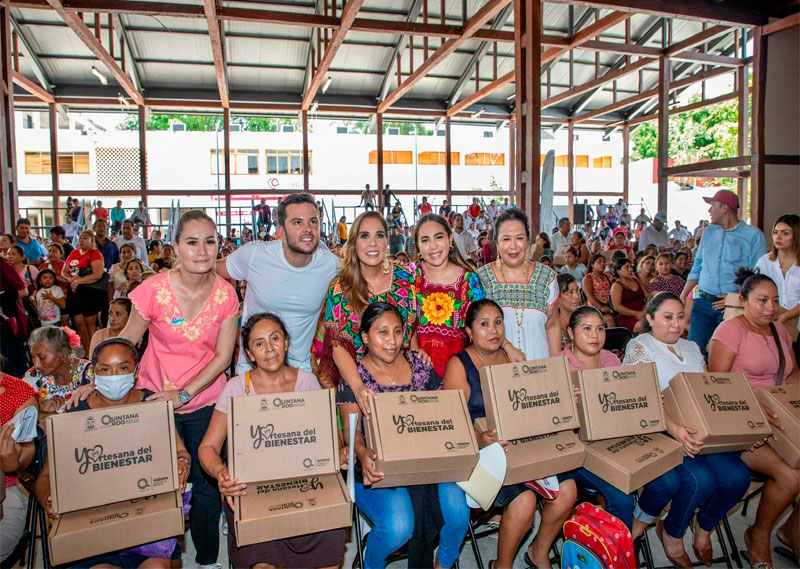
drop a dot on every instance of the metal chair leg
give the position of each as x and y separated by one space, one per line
34 507
646 551
475 549
359 537
45 543
732 542
724 547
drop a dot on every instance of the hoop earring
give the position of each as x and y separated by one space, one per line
386 266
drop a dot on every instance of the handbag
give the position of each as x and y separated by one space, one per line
99 284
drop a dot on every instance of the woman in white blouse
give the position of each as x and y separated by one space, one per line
709 484
782 264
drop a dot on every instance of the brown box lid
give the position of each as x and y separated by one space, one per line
628 463
282 435
720 406
288 508
531 458
619 401
421 437
526 399
103 456
94 531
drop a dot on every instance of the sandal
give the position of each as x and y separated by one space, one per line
746 554
529 561
706 554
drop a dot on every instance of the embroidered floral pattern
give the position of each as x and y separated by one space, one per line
438 307
46 386
172 314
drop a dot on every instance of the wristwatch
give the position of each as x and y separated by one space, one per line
184 397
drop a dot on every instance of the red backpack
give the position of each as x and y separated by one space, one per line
596 536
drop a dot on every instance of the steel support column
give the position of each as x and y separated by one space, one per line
743 87
53 120
379 161
757 146
512 158
306 161
663 130
626 161
8 170
143 154
527 52
571 172
448 162
226 137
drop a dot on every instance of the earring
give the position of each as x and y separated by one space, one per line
387 265
499 262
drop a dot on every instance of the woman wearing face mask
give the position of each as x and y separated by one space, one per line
628 296
568 301
752 344
266 342
365 276
710 484
56 373
118 312
116 363
527 291
665 280
386 367
486 330
597 288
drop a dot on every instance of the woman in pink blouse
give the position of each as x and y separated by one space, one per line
191 314
761 349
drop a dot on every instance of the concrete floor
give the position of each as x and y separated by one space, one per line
488 548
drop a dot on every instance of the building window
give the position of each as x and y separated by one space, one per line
602 162
582 161
484 159
438 158
285 161
68 163
392 157
244 161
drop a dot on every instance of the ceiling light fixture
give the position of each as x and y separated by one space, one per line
511 96
122 100
314 107
327 84
100 77
478 114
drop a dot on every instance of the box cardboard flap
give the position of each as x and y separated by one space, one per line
276 436
108 455
525 399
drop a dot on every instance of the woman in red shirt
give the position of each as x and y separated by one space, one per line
84 270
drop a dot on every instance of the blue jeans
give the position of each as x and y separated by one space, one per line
703 322
618 503
713 482
392 517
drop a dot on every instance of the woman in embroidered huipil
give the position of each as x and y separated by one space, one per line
526 291
191 314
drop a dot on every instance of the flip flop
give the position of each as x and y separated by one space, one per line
746 554
529 561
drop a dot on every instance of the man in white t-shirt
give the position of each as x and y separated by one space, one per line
679 233
464 241
128 236
288 277
560 239
602 210
655 233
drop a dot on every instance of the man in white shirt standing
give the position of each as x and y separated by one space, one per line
602 210
288 277
464 241
655 234
560 239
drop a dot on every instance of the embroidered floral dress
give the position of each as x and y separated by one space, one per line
524 306
339 326
46 387
179 348
441 309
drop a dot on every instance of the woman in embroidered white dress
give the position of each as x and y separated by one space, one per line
191 314
526 291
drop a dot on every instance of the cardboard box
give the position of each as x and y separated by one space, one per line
287 508
94 531
619 402
421 437
784 401
628 463
734 308
282 435
531 398
104 456
531 458
721 406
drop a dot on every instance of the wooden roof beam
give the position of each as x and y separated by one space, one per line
33 59
348 16
779 25
120 28
88 38
399 47
587 34
596 83
481 93
699 38
217 39
31 87
473 25
685 109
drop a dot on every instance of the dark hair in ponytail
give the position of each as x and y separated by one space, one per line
654 304
748 279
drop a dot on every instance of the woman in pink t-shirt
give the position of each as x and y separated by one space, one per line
191 314
761 349
265 341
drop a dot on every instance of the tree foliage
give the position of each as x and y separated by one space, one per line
209 123
365 127
703 134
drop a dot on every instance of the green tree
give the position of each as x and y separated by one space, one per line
208 123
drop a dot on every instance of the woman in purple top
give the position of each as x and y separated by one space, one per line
266 343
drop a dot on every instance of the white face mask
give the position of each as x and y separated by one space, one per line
114 387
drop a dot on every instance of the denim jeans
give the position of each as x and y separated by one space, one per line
618 503
714 483
703 322
392 517
206 500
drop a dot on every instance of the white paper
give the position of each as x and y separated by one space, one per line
351 465
25 430
486 480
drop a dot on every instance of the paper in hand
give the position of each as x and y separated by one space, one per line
25 430
351 465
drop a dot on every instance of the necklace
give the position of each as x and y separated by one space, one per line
389 377
519 313
480 356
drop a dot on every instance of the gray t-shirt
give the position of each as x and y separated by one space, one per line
294 293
